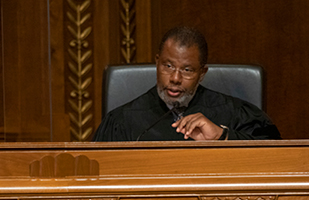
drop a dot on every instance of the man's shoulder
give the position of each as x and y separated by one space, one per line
211 98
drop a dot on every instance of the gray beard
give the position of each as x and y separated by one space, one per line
184 100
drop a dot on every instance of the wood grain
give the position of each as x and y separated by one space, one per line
156 170
33 103
26 70
269 33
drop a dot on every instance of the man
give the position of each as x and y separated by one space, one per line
193 112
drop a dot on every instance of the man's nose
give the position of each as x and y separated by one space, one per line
176 77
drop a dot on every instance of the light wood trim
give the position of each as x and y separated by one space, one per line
155 144
201 185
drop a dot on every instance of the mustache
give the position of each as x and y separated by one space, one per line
174 88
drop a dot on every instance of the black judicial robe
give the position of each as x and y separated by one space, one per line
127 122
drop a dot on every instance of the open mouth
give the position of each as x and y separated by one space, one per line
173 92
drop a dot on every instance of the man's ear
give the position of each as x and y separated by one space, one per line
204 71
157 59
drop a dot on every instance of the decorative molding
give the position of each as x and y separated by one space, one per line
80 66
128 26
63 165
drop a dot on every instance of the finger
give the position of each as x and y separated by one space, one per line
195 127
183 131
175 124
183 121
193 123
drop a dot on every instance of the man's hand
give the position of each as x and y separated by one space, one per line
198 127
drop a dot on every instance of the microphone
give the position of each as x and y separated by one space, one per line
175 106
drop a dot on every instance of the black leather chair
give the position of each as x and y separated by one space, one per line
123 83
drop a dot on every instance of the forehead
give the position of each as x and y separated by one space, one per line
175 52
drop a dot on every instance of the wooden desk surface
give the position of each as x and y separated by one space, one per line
156 170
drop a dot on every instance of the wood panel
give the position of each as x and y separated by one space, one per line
268 33
143 32
102 53
34 84
156 170
26 70
2 136
60 120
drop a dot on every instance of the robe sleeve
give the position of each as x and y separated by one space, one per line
110 129
250 123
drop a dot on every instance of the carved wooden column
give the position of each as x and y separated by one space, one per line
79 61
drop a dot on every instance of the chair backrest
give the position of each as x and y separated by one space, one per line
123 83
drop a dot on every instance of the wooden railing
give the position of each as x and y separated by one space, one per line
215 170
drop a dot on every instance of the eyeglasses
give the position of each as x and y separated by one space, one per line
186 73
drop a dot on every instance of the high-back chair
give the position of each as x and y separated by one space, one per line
123 83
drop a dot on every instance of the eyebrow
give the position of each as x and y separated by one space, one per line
164 61
169 61
188 66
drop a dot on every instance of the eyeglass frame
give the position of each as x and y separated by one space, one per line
172 69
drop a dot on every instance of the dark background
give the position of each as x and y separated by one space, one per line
34 84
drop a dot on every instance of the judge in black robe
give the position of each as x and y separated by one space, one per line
206 115
126 123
